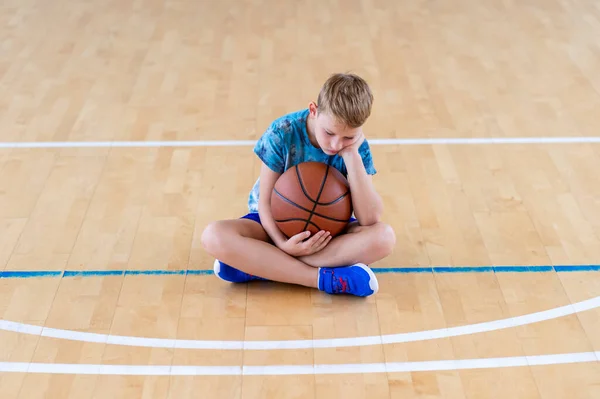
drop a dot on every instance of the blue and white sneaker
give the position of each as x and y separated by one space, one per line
232 275
356 280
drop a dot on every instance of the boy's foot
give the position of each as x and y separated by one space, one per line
232 275
356 280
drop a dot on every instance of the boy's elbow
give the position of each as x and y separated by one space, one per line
374 219
371 218
376 211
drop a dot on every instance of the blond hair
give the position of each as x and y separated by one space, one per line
347 97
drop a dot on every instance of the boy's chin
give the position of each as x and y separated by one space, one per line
328 152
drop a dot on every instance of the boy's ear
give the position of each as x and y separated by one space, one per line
312 107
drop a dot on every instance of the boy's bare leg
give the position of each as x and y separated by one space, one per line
360 244
244 245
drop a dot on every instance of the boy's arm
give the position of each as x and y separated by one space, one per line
270 148
298 245
367 203
267 181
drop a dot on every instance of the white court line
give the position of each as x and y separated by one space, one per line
302 344
236 143
392 367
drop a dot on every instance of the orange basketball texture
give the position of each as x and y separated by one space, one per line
311 196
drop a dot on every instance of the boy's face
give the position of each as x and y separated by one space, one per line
331 135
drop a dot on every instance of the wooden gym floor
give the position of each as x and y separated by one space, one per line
493 290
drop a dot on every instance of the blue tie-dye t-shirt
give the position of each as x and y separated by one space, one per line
285 144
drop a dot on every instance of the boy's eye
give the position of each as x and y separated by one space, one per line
328 133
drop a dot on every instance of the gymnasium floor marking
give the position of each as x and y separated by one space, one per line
303 344
391 367
374 141
385 270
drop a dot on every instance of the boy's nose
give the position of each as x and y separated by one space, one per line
336 145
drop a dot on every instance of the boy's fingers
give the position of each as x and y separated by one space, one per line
324 236
300 236
314 239
325 242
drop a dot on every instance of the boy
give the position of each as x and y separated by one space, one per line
329 131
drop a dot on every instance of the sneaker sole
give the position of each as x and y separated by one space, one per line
217 269
373 283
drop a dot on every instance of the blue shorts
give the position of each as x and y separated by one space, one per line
256 217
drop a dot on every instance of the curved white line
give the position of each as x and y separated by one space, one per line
392 367
301 344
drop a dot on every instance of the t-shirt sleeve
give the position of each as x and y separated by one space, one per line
365 153
270 148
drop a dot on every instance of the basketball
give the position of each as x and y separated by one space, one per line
311 196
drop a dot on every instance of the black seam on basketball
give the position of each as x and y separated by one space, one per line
316 202
302 184
307 210
298 219
341 197
292 220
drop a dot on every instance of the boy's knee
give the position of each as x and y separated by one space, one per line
385 239
212 238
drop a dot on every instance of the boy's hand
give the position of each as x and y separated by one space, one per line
296 246
353 148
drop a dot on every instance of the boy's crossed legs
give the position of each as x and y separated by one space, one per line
244 251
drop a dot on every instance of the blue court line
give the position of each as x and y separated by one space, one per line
33 273
90 273
392 270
